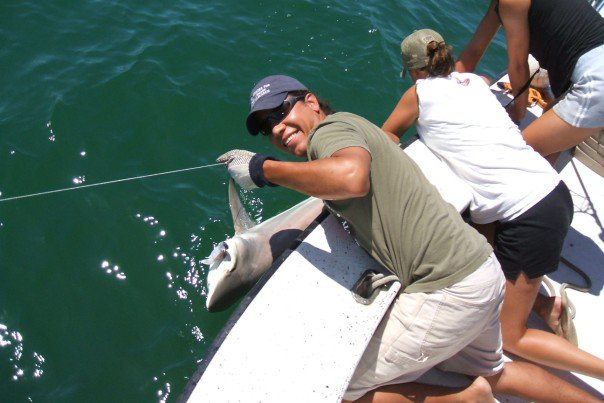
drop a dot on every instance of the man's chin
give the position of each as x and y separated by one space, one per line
300 153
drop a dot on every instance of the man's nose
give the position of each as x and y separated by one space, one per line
278 128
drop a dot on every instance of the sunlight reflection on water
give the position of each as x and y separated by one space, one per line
12 340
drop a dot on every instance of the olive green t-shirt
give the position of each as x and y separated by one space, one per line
402 222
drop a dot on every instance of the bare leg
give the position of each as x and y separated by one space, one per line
536 384
550 134
536 345
553 158
478 391
549 309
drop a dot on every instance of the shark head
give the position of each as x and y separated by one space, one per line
237 263
222 262
223 259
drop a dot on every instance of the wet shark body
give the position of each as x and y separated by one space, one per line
238 262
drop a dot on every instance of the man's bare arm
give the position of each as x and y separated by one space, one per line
344 175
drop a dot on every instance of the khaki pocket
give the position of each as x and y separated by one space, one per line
409 346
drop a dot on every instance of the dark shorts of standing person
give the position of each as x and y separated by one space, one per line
532 243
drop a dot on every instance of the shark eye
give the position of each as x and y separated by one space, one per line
225 245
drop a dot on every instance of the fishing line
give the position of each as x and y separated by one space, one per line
109 182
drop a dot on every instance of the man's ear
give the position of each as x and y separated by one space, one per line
311 100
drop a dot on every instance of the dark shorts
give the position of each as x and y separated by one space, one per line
532 242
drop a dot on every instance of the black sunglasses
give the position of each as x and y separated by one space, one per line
278 114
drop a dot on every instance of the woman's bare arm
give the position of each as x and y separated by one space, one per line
403 116
486 30
514 15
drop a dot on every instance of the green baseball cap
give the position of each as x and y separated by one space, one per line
414 49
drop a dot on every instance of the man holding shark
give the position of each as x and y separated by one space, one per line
448 312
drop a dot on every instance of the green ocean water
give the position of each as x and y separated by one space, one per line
102 290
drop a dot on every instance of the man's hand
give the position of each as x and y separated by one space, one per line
245 167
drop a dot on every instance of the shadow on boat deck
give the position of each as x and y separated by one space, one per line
583 252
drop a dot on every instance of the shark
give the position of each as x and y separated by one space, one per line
238 262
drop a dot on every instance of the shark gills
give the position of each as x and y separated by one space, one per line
238 262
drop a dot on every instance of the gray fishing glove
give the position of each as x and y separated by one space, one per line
245 167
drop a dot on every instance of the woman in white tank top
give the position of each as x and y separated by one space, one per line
462 122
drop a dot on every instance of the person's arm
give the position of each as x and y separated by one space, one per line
514 15
344 175
403 116
392 136
486 30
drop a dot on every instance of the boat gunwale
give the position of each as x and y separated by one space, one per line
243 305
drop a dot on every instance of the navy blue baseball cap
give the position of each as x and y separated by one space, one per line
269 93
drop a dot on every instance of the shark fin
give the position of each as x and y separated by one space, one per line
241 220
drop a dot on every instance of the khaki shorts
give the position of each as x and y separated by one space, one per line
455 329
